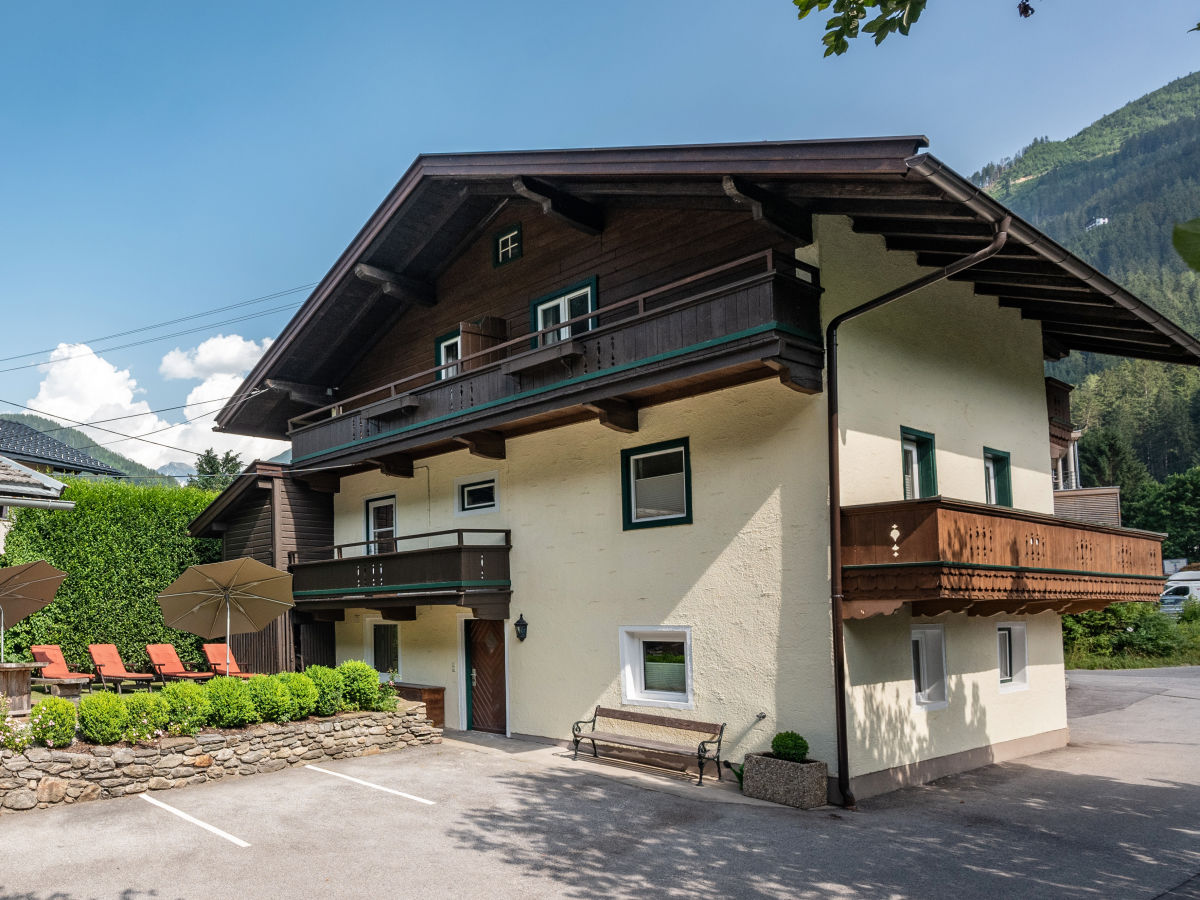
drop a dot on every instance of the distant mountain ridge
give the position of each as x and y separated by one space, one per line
73 437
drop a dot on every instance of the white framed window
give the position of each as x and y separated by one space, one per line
656 666
381 525
929 666
656 485
449 350
573 302
475 494
1012 656
908 450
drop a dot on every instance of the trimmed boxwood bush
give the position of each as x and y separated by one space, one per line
188 709
360 685
149 716
303 691
328 683
272 699
230 702
103 718
52 722
790 746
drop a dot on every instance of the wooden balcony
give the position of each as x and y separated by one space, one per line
459 568
748 319
942 555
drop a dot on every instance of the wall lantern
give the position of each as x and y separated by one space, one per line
522 627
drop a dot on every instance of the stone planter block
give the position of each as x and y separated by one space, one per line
803 785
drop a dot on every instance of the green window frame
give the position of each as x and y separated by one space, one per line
566 304
997 477
917 464
507 245
653 467
439 355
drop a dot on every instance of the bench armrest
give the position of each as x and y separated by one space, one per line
577 728
702 749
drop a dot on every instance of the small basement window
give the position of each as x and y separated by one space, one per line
656 485
1012 656
506 245
929 666
476 494
656 666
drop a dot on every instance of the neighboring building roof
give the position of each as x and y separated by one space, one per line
253 476
21 443
885 185
18 482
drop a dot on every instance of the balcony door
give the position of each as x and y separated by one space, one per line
487 708
381 525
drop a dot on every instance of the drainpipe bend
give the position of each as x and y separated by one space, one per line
835 493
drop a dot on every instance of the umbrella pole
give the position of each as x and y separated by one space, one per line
227 631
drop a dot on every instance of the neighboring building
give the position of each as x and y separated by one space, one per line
1100 505
589 388
22 486
39 451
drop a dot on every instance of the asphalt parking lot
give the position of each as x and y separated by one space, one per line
1115 814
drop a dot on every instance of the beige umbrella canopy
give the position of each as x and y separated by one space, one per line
236 596
24 590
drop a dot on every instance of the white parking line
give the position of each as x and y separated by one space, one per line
178 812
377 787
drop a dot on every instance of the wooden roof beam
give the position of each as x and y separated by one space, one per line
615 413
578 213
771 209
956 245
485 444
399 287
1079 295
309 394
396 465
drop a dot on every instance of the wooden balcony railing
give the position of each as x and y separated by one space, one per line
944 555
462 567
758 310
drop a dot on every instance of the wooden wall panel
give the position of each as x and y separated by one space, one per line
306 521
249 531
639 250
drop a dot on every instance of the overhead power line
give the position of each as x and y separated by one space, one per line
120 334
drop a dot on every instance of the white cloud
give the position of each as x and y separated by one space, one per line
84 387
219 355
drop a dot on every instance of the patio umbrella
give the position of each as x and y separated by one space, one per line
236 596
24 590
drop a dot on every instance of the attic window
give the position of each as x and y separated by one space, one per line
506 245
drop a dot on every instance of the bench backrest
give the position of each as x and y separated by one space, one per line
625 715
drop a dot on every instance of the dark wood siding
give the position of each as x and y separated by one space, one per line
306 520
640 249
315 646
249 530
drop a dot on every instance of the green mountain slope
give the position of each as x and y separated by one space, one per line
73 437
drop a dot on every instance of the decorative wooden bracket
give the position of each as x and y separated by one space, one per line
308 394
587 217
322 482
397 465
778 212
619 415
400 287
487 444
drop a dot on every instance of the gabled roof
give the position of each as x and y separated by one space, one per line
253 477
885 185
28 445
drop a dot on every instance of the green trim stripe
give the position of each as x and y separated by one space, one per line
579 379
964 565
396 588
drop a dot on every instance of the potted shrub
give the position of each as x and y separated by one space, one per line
786 774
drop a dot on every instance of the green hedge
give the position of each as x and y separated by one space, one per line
120 546
103 718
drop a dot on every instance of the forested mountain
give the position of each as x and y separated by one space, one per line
1112 194
73 437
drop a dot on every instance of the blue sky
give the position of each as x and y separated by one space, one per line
158 160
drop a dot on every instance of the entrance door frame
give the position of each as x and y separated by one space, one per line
464 673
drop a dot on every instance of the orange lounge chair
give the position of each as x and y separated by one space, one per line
216 660
111 669
55 668
167 664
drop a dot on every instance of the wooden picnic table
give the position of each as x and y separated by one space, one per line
15 684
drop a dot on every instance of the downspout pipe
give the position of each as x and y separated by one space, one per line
835 488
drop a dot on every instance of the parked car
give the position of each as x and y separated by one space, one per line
1181 587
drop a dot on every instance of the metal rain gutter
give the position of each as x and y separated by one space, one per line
1002 225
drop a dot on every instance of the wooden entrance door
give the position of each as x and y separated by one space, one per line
486 709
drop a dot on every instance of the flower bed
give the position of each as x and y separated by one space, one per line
40 777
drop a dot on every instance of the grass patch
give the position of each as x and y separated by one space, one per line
1082 659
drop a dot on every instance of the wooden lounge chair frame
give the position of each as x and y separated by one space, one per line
167 664
95 651
215 654
52 656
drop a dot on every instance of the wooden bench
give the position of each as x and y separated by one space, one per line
703 751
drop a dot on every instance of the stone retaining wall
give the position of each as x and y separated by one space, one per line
39 778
